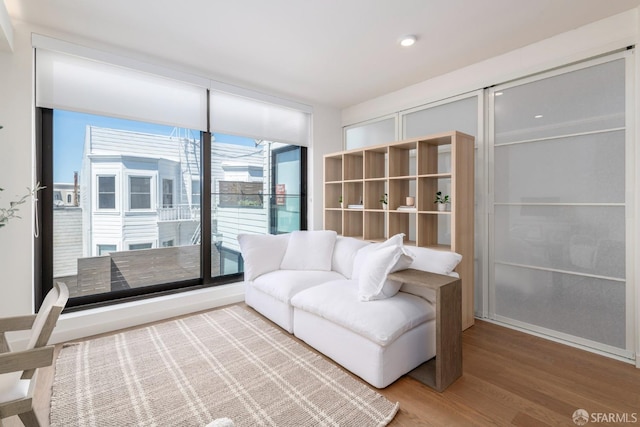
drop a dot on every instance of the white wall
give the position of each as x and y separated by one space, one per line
327 138
16 160
17 157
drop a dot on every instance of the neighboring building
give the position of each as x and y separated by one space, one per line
138 191
143 191
65 194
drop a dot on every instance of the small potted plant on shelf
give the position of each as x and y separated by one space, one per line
384 200
340 201
442 201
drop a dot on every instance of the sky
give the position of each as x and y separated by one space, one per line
69 132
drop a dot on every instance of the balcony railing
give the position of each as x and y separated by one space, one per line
179 213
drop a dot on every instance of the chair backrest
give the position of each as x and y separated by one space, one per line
46 319
47 316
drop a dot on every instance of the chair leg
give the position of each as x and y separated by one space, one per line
29 419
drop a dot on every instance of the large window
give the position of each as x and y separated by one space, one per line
118 162
150 212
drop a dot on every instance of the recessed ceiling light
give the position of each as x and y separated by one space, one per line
407 41
498 93
537 116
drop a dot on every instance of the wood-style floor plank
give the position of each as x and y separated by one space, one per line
509 378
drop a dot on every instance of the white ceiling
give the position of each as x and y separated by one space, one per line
332 52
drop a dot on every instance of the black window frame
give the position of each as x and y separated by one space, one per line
43 242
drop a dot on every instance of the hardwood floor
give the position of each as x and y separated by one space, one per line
509 378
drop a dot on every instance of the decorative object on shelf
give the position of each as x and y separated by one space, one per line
384 200
406 208
340 201
12 211
410 201
442 201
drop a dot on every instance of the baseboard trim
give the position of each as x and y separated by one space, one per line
85 323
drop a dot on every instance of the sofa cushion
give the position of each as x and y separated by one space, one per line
363 252
434 261
262 253
381 321
309 250
344 254
284 284
373 283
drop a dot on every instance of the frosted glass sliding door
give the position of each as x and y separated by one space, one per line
558 231
463 114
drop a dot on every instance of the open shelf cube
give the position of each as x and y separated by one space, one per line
353 193
399 190
332 194
434 230
374 226
353 223
428 187
403 222
375 163
373 192
333 220
333 168
353 166
400 156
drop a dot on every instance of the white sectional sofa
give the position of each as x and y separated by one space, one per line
333 293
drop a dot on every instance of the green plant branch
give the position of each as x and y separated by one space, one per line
12 211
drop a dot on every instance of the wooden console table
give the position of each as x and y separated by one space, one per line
442 371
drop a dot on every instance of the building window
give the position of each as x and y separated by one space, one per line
167 193
106 249
195 192
69 198
139 192
138 246
106 192
167 244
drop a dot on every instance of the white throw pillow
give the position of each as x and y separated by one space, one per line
309 250
344 254
362 255
373 283
262 253
434 261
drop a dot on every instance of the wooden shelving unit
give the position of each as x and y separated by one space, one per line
413 167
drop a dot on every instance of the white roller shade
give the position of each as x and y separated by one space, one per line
70 82
240 115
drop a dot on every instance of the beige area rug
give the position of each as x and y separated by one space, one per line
188 372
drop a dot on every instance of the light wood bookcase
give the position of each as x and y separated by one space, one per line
417 167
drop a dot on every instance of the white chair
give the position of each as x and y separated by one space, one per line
18 368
